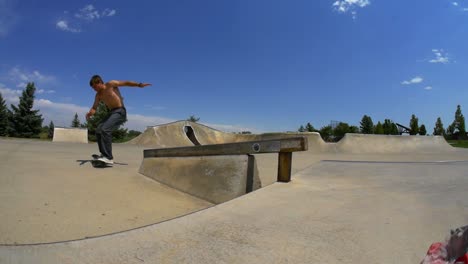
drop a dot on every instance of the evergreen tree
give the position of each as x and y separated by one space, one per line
367 126
422 130
459 123
394 130
450 132
50 133
3 117
389 127
76 121
353 129
378 129
193 118
309 128
340 131
326 132
133 134
25 121
414 125
301 129
439 128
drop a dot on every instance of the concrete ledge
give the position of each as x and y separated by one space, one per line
216 179
76 135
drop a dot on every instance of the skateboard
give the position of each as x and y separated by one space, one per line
99 164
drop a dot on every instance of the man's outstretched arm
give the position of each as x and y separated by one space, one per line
114 83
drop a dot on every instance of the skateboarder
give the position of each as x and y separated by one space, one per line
109 94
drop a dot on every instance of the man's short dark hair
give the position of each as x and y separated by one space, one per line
95 79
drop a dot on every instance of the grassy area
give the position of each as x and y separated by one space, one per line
458 143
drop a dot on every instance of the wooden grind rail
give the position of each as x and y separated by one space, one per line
284 147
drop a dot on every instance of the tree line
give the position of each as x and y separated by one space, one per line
455 131
23 122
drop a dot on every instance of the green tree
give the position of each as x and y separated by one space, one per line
390 128
76 121
387 127
459 123
414 125
422 130
119 135
133 134
378 129
3 117
25 121
341 129
450 132
310 128
193 118
101 113
327 133
301 129
395 129
367 126
50 133
439 128
353 129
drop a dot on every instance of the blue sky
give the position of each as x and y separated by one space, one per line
254 65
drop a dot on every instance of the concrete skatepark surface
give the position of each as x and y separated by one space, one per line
380 200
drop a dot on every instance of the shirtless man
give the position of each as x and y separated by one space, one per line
109 94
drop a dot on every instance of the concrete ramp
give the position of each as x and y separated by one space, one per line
74 135
186 133
360 143
215 179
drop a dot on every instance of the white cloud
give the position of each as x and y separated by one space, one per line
11 96
344 6
415 80
60 113
47 104
428 88
21 77
141 122
109 12
440 56
455 3
87 14
90 13
63 25
42 91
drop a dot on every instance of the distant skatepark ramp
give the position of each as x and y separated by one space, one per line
186 133
361 143
75 135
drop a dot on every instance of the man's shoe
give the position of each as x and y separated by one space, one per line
106 160
96 156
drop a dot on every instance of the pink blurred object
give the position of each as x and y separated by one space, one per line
437 254
454 250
